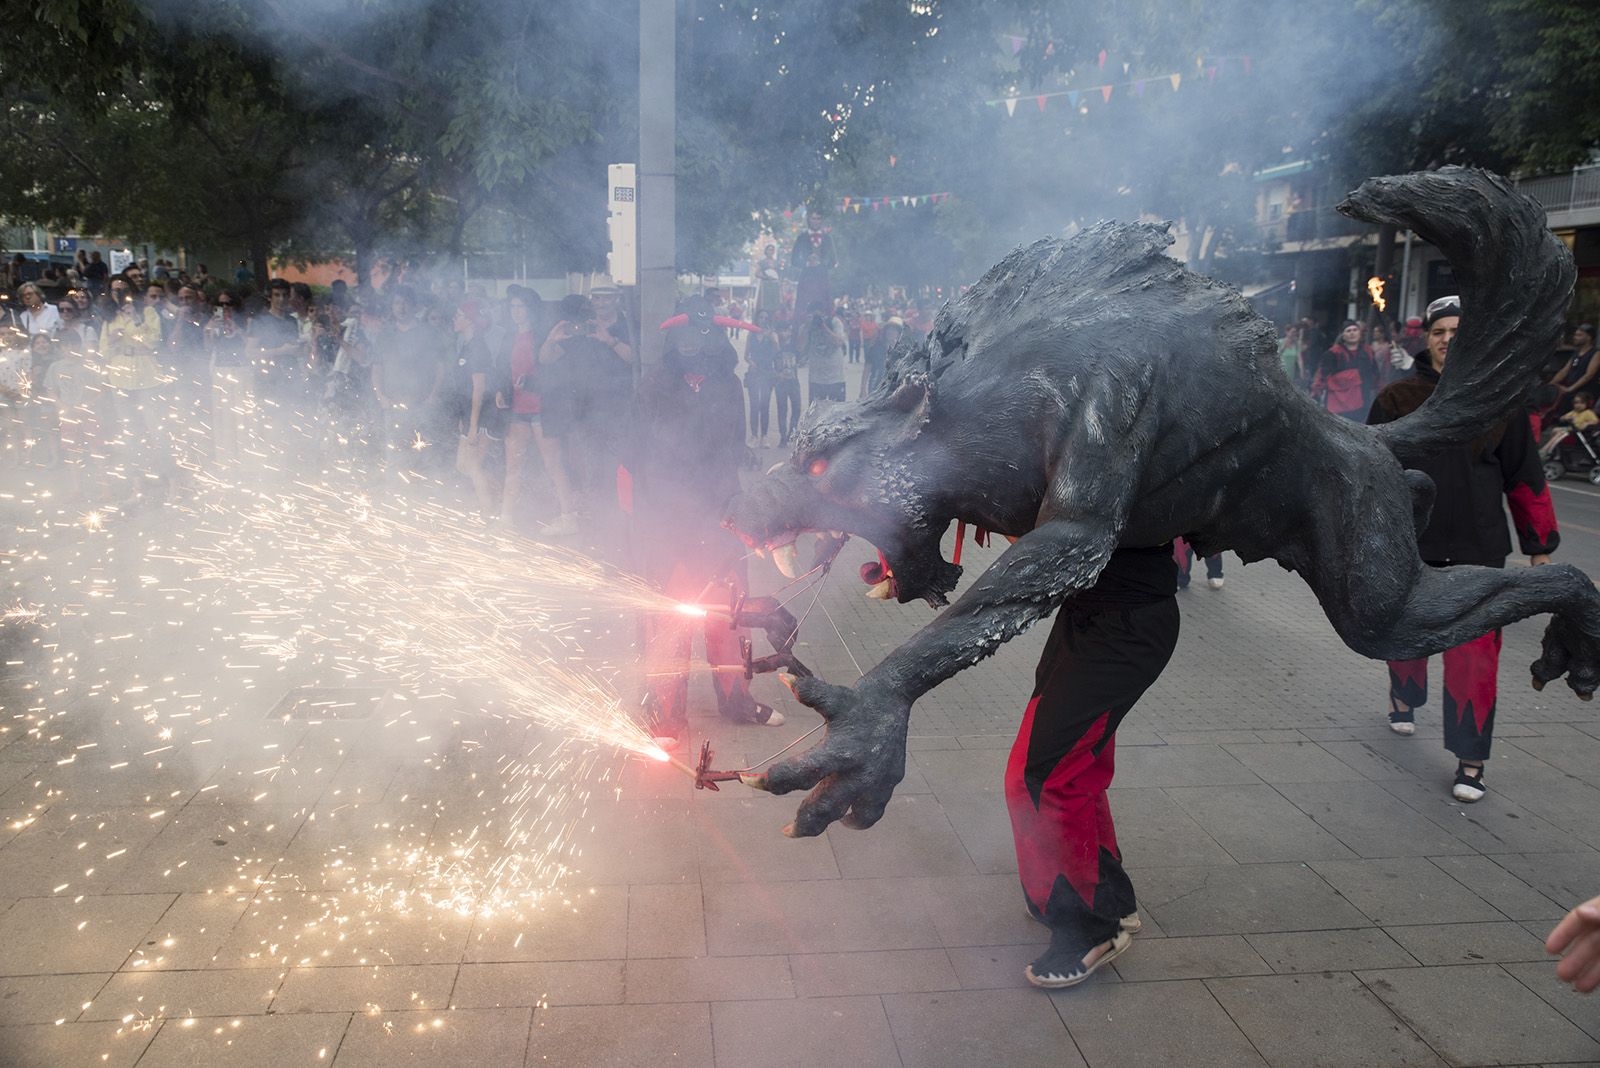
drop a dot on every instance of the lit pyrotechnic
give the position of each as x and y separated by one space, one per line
1375 291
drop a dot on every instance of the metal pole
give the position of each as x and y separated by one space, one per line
1405 281
658 171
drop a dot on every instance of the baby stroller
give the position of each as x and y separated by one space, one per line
1568 451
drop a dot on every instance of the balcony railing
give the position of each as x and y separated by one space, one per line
1578 189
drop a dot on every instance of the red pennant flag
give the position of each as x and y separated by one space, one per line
1102 59
1040 101
1105 93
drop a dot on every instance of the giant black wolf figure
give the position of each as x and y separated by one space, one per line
1089 394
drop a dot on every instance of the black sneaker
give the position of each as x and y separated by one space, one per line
1468 788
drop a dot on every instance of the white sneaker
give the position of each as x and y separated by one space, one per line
1215 583
562 526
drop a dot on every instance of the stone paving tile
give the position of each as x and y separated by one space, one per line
1242 899
300 929
621 1036
85 850
802 1034
969 1027
247 1041
1366 759
1541 979
1257 825
707 979
914 838
529 983
817 917
1557 796
594 927
1565 878
45 936
1289 762
105 1045
1132 1025
649 841
740 842
1406 890
1178 766
486 1037
1331 951
1153 830
1319 1021
40 999
169 994
979 910
889 971
1469 943
1499 887
388 988
1370 823
1001 967
1189 958
962 771
666 921
1503 827
984 827
190 933
1480 1014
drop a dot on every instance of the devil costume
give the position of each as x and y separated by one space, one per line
1109 643
689 426
1468 526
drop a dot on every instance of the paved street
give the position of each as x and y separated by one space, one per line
1311 894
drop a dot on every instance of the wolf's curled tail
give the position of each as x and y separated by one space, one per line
1515 280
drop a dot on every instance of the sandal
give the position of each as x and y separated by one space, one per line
1468 788
1051 973
1402 720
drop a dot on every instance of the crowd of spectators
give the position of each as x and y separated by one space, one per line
135 380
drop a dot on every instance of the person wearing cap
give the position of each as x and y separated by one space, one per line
1467 525
1346 377
1580 369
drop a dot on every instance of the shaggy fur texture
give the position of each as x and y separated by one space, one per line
1091 392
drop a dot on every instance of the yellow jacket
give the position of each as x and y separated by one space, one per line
129 346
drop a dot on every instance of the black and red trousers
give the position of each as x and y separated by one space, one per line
1095 667
1471 688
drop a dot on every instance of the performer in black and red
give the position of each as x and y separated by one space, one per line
1109 643
1467 526
689 442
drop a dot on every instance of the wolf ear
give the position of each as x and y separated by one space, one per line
913 397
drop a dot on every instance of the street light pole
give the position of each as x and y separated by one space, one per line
658 171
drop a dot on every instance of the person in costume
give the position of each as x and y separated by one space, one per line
1467 525
689 420
1108 645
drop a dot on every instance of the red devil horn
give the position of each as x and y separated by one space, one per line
735 324
677 320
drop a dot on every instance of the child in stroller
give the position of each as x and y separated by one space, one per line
1572 445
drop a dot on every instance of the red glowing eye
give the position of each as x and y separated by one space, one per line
818 468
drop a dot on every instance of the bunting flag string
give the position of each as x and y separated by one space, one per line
854 204
1210 71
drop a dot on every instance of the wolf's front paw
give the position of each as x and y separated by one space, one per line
1568 651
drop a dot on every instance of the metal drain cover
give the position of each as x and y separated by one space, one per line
330 702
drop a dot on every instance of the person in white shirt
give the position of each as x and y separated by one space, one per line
38 317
